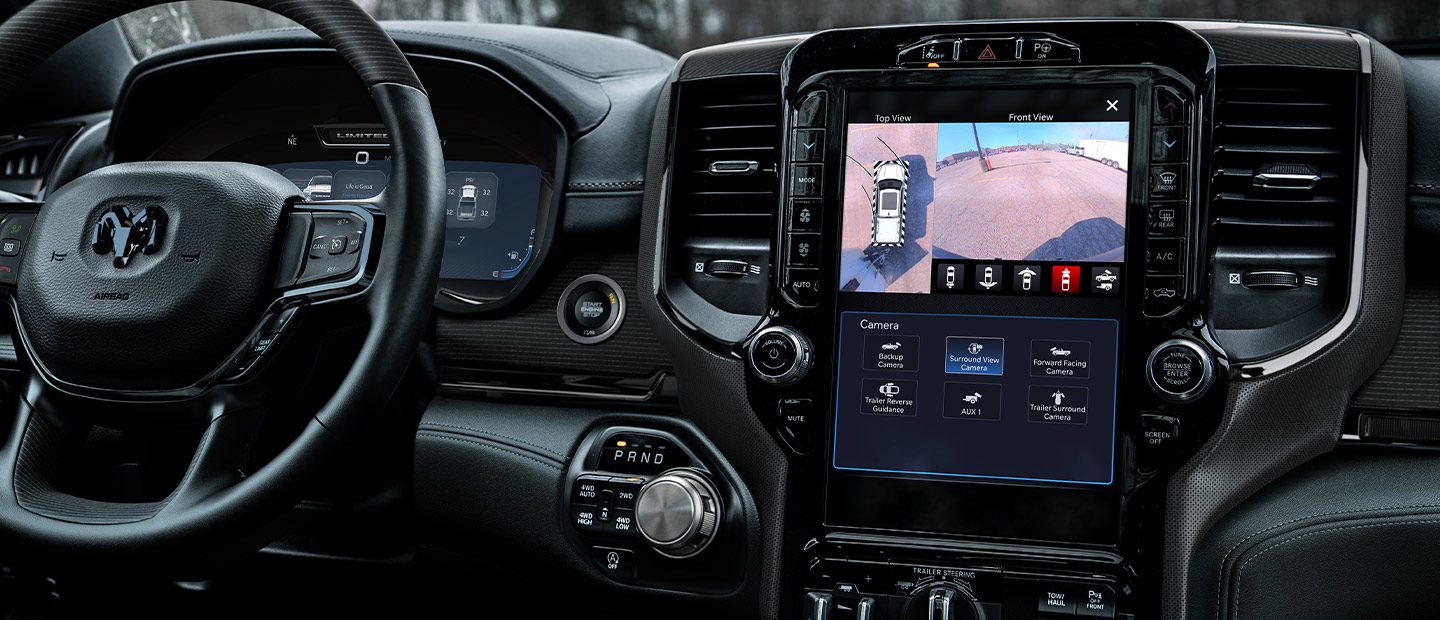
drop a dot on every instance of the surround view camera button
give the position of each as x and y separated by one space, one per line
969 355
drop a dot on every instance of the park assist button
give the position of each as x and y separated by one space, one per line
888 397
1060 358
1061 404
887 352
971 355
972 401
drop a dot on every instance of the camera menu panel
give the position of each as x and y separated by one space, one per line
977 396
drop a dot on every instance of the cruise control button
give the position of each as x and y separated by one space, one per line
319 246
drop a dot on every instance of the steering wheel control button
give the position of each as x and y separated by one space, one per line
591 309
15 228
335 240
1180 370
780 355
678 513
618 563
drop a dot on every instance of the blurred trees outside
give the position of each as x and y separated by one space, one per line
677 26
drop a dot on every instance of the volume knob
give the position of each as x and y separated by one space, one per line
678 513
780 355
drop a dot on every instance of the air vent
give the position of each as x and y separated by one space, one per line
26 158
727 145
725 190
1282 203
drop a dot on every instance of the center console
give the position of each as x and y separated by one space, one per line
986 341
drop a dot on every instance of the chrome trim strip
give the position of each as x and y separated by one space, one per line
1355 294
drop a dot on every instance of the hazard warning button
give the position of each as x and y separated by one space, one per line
987 50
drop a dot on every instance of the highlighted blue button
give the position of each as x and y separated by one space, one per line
970 355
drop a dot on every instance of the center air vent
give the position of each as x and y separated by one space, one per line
1283 205
725 193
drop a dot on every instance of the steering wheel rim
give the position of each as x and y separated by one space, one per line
211 506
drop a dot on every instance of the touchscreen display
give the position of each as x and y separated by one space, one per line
980 280
490 208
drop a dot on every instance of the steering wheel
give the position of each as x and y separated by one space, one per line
152 294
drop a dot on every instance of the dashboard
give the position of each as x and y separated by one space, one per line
1017 319
503 151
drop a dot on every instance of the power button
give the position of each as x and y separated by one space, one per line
780 355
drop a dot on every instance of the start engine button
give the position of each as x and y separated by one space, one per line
591 309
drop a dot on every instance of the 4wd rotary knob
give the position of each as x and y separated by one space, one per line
678 512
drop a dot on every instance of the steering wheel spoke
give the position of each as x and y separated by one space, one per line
152 293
